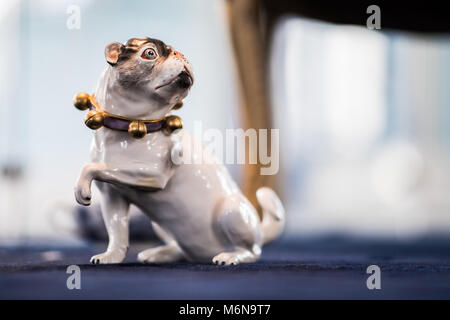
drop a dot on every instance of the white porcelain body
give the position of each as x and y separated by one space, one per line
196 209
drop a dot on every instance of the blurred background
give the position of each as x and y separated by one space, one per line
363 114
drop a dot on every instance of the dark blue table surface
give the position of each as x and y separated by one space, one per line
288 269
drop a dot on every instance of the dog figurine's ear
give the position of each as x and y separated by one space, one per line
112 52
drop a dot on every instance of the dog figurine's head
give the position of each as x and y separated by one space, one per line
149 73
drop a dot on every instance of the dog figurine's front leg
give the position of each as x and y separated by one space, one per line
114 206
115 215
83 187
134 175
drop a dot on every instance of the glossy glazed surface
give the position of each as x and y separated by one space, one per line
196 209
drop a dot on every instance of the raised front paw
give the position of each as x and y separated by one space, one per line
109 257
83 194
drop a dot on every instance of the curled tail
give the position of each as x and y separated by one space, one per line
273 213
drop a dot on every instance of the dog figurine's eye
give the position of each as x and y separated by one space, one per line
149 54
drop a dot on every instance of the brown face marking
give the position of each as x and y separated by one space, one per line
130 73
177 55
135 44
138 77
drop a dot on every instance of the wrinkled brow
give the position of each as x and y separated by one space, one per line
135 44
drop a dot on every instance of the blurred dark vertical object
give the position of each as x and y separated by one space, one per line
252 23
250 48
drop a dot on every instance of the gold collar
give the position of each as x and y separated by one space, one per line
137 128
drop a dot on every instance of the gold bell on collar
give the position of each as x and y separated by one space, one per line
81 101
173 123
94 119
137 129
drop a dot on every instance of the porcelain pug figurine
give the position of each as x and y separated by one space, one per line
196 209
